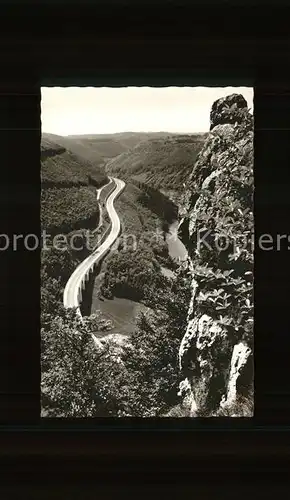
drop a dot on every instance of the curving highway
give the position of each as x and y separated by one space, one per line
72 296
98 191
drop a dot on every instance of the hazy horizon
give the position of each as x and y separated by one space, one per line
69 111
127 132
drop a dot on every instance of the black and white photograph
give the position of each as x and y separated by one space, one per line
147 252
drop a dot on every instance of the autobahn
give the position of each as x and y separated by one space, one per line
72 295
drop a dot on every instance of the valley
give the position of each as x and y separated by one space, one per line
144 323
132 284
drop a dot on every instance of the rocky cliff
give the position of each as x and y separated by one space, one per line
216 353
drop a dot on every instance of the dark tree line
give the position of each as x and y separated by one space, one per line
156 201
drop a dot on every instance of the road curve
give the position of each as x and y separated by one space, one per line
72 295
98 191
101 188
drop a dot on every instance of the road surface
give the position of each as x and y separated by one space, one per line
101 189
73 290
100 204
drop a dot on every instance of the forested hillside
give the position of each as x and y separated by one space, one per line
164 163
190 351
135 270
106 146
68 206
60 167
110 382
98 148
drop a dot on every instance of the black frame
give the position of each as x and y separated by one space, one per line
150 45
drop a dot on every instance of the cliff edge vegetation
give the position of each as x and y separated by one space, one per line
216 352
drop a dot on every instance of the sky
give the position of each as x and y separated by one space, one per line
105 110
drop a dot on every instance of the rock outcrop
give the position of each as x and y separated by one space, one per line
216 353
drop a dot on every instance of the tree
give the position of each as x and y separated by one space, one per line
151 357
140 378
70 362
51 294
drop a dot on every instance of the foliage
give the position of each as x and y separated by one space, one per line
157 202
136 217
67 209
70 366
242 407
135 268
224 263
61 167
221 247
51 295
97 148
79 379
134 274
152 355
163 163
58 264
233 113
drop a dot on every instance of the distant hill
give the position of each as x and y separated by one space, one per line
74 146
60 165
101 147
50 148
68 182
163 162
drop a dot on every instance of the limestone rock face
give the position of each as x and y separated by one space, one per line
227 110
240 358
216 351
